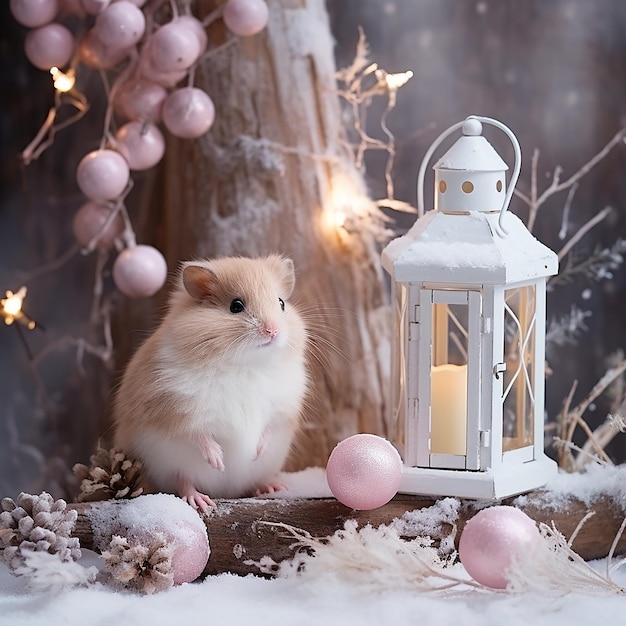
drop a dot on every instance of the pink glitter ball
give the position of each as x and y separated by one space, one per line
140 271
49 46
493 540
89 222
142 145
33 13
245 17
364 472
188 112
140 100
121 25
103 174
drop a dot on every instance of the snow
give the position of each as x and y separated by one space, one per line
304 600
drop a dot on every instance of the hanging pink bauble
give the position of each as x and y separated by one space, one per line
103 174
493 540
174 47
141 144
195 25
188 112
121 25
34 13
245 17
140 271
140 100
96 55
93 7
191 552
49 46
364 472
152 74
89 222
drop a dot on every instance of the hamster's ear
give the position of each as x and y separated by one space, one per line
199 281
285 269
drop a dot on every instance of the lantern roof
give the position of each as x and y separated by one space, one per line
462 249
471 152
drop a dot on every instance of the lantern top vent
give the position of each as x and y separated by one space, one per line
472 152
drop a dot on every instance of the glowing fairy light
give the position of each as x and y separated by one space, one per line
11 308
395 81
63 81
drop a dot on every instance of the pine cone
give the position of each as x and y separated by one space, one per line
39 524
111 476
145 568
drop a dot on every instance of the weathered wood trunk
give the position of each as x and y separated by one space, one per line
264 179
239 535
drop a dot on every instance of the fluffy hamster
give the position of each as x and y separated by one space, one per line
211 402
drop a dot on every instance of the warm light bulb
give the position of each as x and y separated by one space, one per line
63 82
395 81
12 305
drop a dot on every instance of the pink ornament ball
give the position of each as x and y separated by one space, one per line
96 55
34 13
364 472
121 25
142 145
174 47
188 112
245 17
493 540
49 46
140 271
103 174
191 552
140 101
196 27
148 72
89 222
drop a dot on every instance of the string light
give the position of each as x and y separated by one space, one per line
11 308
63 81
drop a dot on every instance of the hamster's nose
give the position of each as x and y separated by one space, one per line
270 330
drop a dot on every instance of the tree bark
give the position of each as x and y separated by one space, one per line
238 535
266 178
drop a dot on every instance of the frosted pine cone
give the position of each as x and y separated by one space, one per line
133 564
111 476
36 524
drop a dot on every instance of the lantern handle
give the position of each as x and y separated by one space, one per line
514 175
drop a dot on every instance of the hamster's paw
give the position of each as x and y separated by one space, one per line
271 487
211 451
193 497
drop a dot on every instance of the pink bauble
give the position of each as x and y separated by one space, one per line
148 72
195 25
33 13
121 25
174 47
49 46
245 17
493 540
96 55
103 174
188 112
141 144
140 100
191 552
140 271
89 222
364 472
93 7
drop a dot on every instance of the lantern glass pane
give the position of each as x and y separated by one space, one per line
399 361
448 391
518 388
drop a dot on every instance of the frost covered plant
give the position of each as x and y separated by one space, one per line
36 541
111 475
142 566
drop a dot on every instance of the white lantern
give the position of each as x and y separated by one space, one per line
468 290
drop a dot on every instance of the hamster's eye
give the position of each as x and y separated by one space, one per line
282 303
237 306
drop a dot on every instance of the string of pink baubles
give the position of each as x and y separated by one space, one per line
153 59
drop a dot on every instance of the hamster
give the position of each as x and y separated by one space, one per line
211 402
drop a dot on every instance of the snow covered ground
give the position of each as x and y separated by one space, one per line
318 601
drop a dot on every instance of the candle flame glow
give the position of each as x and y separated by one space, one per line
63 82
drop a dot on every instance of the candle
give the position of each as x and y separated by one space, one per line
448 409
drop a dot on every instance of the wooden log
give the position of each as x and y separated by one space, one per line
239 535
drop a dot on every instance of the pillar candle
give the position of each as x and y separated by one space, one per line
448 409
